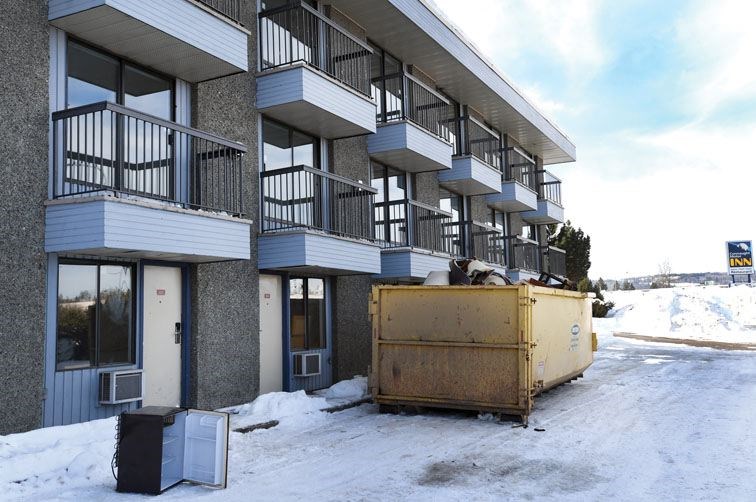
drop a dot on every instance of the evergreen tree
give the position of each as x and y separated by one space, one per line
601 285
577 247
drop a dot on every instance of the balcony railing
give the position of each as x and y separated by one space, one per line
302 197
408 223
404 97
229 8
554 261
523 254
520 167
480 142
550 188
104 147
297 33
486 243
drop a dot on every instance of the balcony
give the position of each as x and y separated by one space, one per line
315 74
518 191
415 239
477 170
413 126
316 222
550 208
487 244
129 184
190 40
554 261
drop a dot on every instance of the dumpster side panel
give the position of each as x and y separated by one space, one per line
449 314
562 327
463 375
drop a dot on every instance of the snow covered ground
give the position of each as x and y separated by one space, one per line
710 313
648 421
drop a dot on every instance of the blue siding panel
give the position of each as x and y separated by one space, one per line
174 36
514 197
288 250
314 102
99 225
408 147
470 176
548 212
410 264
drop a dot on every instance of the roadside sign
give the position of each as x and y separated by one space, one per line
740 257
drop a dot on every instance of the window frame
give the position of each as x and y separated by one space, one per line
291 130
133 329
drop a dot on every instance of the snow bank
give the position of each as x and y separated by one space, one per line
710 313
299 408
353 389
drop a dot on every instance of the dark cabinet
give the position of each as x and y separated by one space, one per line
159 447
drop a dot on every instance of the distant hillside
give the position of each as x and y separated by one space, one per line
644 282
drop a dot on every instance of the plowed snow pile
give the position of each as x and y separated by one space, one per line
710 313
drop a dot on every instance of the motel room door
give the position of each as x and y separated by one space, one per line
162 336
271 333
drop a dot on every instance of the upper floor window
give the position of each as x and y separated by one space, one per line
95 76
284 147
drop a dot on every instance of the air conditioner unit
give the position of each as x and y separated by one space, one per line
307 364
123 386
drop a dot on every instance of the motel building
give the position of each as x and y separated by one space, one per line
199 194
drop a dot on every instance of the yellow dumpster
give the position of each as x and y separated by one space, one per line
485 348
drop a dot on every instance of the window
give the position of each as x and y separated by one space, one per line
285 147
95 324
307 314
390 205
95 76
453 235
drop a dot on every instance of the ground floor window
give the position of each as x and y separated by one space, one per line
96 314
307 319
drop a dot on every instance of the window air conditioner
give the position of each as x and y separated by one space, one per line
123 386
307 364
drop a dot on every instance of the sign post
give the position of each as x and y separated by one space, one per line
740 259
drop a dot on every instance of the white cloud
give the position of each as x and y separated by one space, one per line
691 194
718 42
567 32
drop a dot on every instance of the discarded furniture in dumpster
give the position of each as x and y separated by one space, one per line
160 446
484 348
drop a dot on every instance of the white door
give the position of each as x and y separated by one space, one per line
271 336
162 336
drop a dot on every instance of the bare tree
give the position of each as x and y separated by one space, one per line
665 274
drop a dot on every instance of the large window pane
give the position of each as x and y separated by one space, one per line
92 76
315 314
147 92
116 315
304 150
297 318
77 297
277 151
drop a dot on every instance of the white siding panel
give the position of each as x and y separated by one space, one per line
117 225
547 213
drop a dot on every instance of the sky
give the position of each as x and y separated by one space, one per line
660 101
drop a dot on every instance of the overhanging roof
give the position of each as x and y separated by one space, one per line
418 33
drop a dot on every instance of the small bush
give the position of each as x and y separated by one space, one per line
600 308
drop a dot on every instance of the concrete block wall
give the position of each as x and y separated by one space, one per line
24 167
225 353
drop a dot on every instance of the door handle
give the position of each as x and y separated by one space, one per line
177 333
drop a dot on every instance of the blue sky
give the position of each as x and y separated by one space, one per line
660 100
